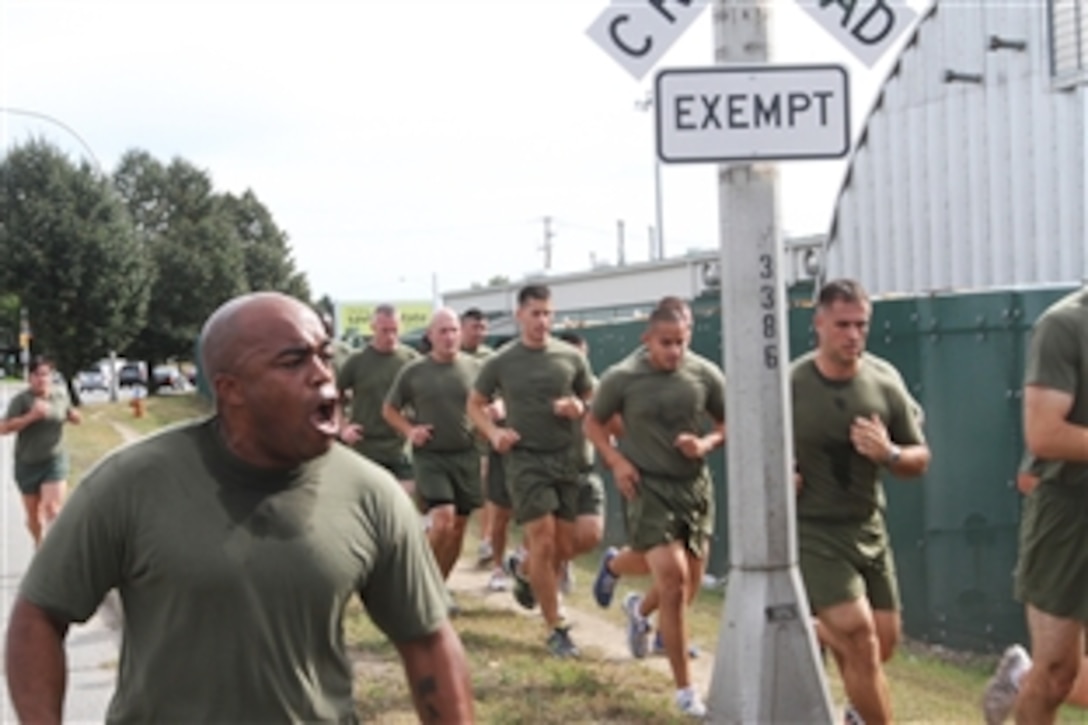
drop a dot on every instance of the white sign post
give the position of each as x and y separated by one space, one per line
767 666
867 28
636 33
749 113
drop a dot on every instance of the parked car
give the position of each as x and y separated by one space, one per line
132 374
168 376
91 379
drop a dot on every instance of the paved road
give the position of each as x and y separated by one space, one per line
92 647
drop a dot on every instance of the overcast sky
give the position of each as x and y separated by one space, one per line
396 140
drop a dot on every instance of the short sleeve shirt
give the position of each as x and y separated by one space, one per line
1058 359
369 374
840 484
41 440
437 393
530 380
659 405
233 579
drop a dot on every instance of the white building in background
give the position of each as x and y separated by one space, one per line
971 171
621 291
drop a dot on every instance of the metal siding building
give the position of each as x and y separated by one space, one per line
609 292
970 172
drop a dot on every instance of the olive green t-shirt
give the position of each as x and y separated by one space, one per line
659 405
41 440
437 393
1058 359
234 580
341 351
369 374
838 483
481 352
530 380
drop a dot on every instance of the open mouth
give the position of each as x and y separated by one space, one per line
327 418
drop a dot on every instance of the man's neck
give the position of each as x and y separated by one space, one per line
832 370
533 344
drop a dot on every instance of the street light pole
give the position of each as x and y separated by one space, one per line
56 121
647 104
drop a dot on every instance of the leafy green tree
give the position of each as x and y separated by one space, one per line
266 252
9 317
196 253
71 255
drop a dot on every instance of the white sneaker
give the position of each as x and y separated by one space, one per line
498 582
566 578
850 715
484 554
999 697
690 703
638 629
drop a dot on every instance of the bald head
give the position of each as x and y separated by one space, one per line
443 316
444 333
237 324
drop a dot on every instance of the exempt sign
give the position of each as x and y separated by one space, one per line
747 113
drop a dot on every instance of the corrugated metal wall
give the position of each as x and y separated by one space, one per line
972 183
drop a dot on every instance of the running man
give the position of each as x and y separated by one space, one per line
445 461
37 415
853 420
473 334
364 380
1053 566
544 384
659 466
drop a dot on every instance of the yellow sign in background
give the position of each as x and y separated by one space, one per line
353 318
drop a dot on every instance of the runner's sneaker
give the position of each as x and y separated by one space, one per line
498 582
512 563
659 647
1000 694
484 554
850 715
560 644
604 586
638 629
523 591
690 703
566 578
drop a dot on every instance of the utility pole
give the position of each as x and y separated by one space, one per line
547 246
657 240
621 255
767 665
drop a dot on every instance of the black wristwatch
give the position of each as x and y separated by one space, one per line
893 456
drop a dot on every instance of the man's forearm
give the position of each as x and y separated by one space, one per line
14 425
913 461
36 664
438 677
715 438
396 420
478 415
601 440
1061 441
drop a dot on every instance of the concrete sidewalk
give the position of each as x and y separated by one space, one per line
92 647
